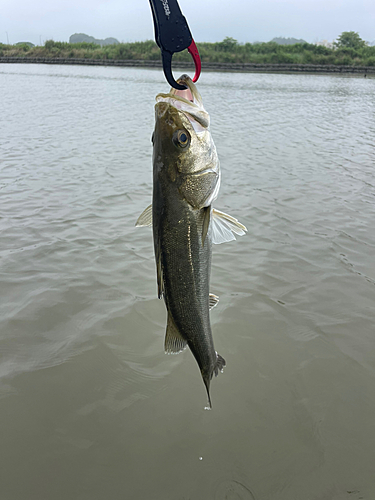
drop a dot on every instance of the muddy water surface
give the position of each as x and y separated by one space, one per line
91 407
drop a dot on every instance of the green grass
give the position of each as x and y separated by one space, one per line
227 51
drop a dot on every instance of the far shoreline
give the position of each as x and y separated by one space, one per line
206 66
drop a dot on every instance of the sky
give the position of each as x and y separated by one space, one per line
209 20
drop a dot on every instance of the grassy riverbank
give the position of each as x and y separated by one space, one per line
227 51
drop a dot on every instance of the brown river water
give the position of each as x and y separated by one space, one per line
90 406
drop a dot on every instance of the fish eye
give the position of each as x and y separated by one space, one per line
181 138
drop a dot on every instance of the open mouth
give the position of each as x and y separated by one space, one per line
189 102
178 98
185 94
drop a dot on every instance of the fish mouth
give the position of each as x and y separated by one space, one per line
189 102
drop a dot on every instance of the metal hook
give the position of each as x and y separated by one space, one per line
167 68
172 34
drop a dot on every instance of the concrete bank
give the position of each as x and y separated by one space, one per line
245 67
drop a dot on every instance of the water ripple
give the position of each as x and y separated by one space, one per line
82 365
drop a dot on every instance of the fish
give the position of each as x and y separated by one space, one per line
186 181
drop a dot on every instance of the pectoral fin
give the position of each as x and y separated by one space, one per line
145 219
224 226
174 342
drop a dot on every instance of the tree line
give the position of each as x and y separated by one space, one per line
348 50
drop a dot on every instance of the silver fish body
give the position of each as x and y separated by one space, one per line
186 180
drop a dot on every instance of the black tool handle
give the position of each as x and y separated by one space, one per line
172 32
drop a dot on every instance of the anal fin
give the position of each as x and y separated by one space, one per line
219 365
